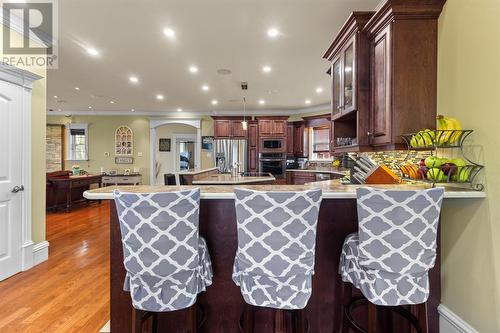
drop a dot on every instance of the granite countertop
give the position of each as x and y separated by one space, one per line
330 170
228 179
332 189
196 171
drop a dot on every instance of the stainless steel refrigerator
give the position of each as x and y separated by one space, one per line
228 152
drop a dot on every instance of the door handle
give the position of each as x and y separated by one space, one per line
17 189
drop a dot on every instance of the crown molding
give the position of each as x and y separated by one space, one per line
17 76
187 114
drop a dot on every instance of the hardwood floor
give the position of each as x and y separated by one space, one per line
70 291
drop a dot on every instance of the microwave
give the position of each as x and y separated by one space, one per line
273 145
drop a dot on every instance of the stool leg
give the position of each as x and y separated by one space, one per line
372 318
279 321
299 322
422 317
137 316
346 298
248 317
191 319
154 323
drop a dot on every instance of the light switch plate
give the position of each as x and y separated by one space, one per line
139 154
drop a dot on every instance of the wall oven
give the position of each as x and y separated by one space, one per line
270 145
274 163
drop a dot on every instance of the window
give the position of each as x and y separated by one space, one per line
319 143
77 142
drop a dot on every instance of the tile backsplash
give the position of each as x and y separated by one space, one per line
393 159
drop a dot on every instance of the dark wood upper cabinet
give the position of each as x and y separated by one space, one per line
229 128
265 127
290 139
301 140
403 58
349 55
384 75
222 129
253 139
380 130
253 142
237 131
272 126
279 127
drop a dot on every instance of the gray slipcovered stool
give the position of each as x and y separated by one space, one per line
388 260
167 263
274 263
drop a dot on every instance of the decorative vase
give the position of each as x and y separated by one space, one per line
76 171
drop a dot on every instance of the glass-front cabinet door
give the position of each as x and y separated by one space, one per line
337 87
348 82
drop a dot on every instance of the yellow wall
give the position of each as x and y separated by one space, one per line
101 140
468 89
38 112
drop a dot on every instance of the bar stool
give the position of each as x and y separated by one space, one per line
388 260
274 262
167 263
169 179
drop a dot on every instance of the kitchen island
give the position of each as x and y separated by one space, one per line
222 301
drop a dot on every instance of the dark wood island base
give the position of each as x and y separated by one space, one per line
223 302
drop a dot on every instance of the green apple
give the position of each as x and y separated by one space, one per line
459 162
436 174
433 162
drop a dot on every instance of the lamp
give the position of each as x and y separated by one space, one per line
244 123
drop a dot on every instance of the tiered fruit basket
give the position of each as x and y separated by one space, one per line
435 170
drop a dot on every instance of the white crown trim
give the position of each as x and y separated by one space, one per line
188 114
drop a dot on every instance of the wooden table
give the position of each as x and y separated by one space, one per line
72 188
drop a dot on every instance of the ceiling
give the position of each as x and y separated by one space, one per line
212 35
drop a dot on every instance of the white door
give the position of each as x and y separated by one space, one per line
11 190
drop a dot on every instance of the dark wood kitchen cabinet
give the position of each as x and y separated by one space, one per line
272 126
403 70
222 129
229 128
300 140
253 144
290 130
384 75
350 84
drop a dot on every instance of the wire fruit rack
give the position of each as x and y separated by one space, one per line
458 172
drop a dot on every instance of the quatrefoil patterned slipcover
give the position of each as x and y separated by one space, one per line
274 262
167 263
389 258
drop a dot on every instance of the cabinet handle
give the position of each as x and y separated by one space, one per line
369 133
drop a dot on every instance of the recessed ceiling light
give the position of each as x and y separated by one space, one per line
205 87
132 110
77 88
215 102
193 69
273 32
160 97
319 90
111 102
308 101
179 110
266 69
262 102
90 107
133 79
55 96
93 52
170 33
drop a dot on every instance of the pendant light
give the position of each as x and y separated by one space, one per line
244 123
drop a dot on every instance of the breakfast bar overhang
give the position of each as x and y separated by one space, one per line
222 302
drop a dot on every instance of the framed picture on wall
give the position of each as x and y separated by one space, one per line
124 160
207 143
164 145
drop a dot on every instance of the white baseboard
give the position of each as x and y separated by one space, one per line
450 322
40 252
